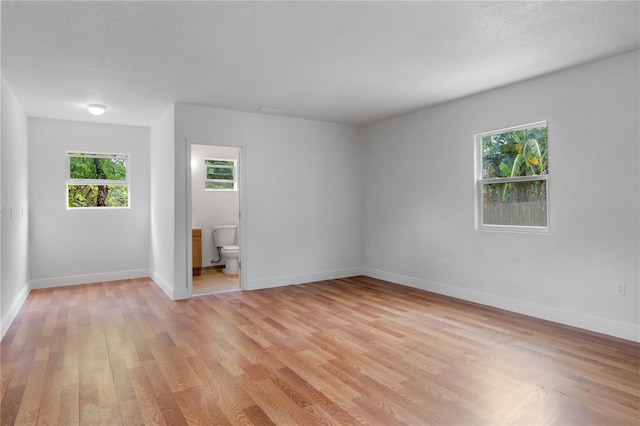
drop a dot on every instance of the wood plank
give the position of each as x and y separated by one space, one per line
30 405
165 399
147 403
69 406
11 404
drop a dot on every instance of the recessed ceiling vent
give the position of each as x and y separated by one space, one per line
267 109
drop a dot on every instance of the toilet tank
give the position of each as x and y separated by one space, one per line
224 235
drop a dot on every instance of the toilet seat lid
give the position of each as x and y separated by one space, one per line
231 248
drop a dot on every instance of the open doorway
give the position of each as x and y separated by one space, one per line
215 219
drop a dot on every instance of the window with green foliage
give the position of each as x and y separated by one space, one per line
512 179
97 180
221 175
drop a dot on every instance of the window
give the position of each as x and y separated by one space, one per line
97 180
221 175
512 179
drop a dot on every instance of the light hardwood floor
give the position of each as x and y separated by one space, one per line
214 281
350 351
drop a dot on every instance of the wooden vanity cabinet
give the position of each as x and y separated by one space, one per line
196 251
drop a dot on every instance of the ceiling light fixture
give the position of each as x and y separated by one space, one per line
96 109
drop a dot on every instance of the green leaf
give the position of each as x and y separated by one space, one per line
506 171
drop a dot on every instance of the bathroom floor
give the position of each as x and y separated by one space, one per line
214 281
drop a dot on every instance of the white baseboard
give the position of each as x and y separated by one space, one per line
162 283
10 315
302 278
172 293
89 278
588 322
180 292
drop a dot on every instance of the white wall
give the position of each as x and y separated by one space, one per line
162 201
419 200
14 278
74 246
211 208
302 193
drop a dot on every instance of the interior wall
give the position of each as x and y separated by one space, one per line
211 208
419 200
2 324
75 246
162 215
301 194
14 183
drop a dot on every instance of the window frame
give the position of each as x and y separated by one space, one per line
480 182
117 182
233 168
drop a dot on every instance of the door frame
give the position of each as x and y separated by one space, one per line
241 201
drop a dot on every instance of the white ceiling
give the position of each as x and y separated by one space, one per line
350 62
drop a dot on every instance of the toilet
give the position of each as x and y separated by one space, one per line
224 238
